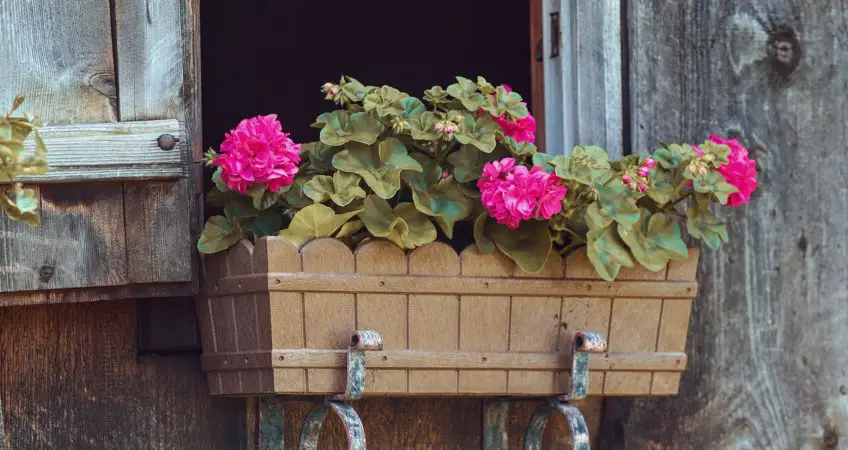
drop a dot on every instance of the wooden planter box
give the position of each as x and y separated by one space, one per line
275 320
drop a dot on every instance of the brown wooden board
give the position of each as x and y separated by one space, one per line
71 379
768 330
469 324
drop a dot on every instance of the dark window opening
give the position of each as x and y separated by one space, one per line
271 56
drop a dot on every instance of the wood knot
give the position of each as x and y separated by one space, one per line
784 50
104 83
45 273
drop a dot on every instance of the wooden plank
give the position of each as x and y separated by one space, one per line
157 56
424 359
82 360
111 152
329 318
69 80
634 325
598 71
245 316
284 314
770 324
484 321
385 313
426 332
464 285
627 383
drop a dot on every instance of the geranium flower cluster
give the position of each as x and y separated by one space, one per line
257 151
522 130
740 171
512 193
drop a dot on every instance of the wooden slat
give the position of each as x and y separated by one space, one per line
634 325
329 318
627 383
423 359
484 320
385 313
110 152
70 80
283 318
433 319
477 285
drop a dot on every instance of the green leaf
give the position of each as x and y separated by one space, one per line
507 102
607 252
702 224
24 208
484 244
445 202
267 223
220 199
353 90
715 184
423 126
619 203
404 225
519 148
342 188
350 228
529 245
585 164
673 155
240 207
219 182
387 100
466 92
263 198
480 132
295 197
342 127
661 188
379 166
320 155
468 162
715 153
544 160
436 95
596 218
314 221
654 240
219 234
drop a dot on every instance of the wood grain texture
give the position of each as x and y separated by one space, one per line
156 58
67 73
71 379
767 354
110 152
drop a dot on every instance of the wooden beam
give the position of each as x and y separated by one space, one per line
403 284
111 152
424 359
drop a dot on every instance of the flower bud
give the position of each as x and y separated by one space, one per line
626 179
642 187
450 128
644 171
649 163
439 127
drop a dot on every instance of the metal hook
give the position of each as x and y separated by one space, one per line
350 419
539 421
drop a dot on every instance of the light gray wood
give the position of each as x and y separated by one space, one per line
59 55
768 365
157 44
583 89
598 106
110 152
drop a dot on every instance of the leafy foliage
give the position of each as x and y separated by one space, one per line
393 166
19 203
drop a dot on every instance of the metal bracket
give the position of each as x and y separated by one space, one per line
496 412
360 342
582 344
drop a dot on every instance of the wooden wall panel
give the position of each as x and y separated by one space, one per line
71 379
767 366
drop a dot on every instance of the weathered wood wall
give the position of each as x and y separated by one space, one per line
768 353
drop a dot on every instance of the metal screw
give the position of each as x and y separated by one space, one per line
167 141
45 273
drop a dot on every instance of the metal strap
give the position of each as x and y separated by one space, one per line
576 422
582 345
360 342
350 419
271 418
495 421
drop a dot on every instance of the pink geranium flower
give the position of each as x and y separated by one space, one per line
740 171
522 130
257 151
513 193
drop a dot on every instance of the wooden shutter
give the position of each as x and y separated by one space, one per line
582 71
118 211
